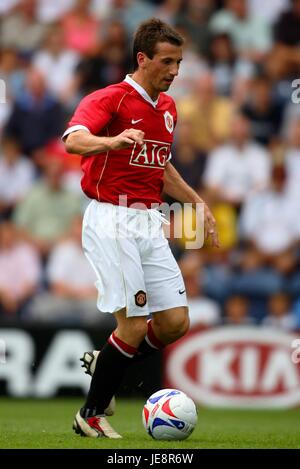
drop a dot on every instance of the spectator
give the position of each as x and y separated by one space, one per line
268 218
191 69
20 271
264 113
252 276
80 28
71 281
168 11
203 311
16 176
296 310
229 70
251 35
131 13
102 8
46 212
227 223
279 313
187 159
285 58
292 159
57 65
286 266
269 11
238 168
110 63
50 11
72 172
11 72
7 5
195 19
236 312
210 114
21 29
36 116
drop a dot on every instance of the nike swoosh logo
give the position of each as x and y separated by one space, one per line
133 121
181 292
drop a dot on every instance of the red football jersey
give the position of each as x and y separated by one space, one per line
137 171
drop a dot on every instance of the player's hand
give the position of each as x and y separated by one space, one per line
210 228
127 138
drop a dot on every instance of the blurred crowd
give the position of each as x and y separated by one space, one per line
237 143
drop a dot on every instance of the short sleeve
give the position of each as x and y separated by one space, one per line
93 113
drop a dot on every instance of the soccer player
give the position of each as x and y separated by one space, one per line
124 133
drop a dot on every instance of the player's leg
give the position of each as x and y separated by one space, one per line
171 324
111 365
166 296
121 290
114 359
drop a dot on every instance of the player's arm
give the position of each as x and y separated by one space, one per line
176 187
85 143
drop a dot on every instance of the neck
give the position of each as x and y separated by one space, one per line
141 80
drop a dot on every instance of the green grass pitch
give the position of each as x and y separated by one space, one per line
47 424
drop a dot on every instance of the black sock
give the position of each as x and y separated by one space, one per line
111 366
145 350
149 345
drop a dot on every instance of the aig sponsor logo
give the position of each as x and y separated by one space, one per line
236 367
153 154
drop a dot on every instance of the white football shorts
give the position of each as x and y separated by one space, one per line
132 259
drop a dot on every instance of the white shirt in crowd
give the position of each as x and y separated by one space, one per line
6 5
285 323
254 32
270 219
67 264
190 70
268 10
238 172
293 172
19 268
15 179
203 311
58 71
49 11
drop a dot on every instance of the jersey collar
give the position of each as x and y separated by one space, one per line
140 90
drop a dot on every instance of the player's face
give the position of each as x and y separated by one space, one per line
163 67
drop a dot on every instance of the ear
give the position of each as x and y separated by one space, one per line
141 59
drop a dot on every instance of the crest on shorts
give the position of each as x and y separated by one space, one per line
140 298
169 121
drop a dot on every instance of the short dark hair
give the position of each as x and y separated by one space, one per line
149 33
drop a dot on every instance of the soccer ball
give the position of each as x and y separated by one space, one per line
169 414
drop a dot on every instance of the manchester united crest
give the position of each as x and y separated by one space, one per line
169 121
140 298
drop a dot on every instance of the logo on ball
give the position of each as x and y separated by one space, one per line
169 414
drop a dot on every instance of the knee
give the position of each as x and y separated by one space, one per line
180 326
176 326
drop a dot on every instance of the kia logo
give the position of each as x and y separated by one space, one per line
236 367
